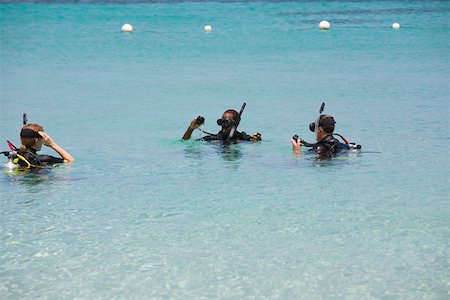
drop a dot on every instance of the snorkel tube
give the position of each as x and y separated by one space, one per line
234 128
25 119
316 127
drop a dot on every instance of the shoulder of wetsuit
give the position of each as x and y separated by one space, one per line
41 160
335 145
324 150
31 157
321 147
49 159
330 139
327 146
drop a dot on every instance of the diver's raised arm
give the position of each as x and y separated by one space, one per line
196 123
49 142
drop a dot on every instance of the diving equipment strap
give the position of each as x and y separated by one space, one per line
343 138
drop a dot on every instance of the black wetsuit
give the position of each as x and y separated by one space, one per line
37 159
327 147
238 136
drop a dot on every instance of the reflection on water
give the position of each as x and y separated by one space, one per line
228 151
193 150
35 178
339 161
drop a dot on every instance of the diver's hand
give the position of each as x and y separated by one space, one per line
47 140
296 145
256 137
195 124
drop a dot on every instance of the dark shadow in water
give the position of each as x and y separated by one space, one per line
193 150
229 152
338 161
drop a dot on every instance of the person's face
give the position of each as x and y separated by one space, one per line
227 116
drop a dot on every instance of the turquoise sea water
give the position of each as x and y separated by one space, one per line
142 215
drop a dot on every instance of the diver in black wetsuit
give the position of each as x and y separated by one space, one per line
32 137
229 122
327 145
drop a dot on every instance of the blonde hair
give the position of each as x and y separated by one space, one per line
30 142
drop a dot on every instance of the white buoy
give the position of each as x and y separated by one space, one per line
396 26
207 28
324 25
127 28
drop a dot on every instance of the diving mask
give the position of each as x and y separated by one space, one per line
225 122
29 133
328 120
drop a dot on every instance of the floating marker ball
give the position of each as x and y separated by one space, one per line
396 26
324 25
207 28
127 28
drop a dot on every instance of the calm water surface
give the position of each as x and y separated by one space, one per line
143 215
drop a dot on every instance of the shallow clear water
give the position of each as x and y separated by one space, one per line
142 215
